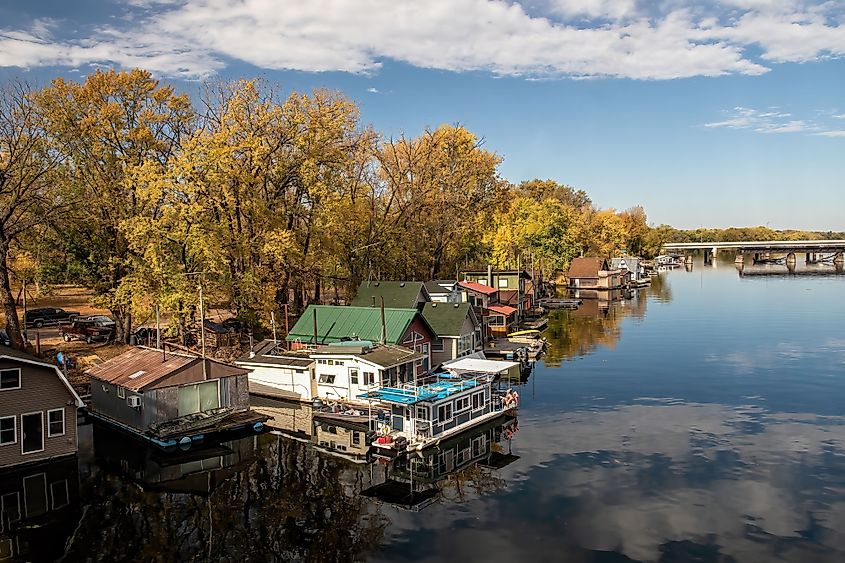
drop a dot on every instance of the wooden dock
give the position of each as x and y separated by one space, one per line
557 303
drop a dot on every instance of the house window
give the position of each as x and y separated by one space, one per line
444 412
482 281
330 362
503 282
356 438
465 344
338 362
321 362
497 320
10 379
369 378
8 430
462 404
55 422
437 345
353 376
477 400
121 393
59 494
327 378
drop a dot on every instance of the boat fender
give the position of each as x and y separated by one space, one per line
258 426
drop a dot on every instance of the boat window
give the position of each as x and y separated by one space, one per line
444 412
478 400
356 438
121 392
422 413
353 376
462 404
327 378
369 378
198 397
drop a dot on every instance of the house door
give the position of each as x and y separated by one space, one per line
32 429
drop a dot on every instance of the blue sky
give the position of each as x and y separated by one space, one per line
716 113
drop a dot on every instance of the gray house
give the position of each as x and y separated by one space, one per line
37 410
457 330
167 396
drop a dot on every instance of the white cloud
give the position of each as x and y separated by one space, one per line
772 121
373 90
585 38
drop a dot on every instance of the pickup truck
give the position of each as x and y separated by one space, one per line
48 316
87 330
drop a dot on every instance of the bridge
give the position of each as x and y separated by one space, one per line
762 250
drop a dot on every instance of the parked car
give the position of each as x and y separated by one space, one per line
48 316
89 331
143 336
101 320
4 338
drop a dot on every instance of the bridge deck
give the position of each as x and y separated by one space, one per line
761 246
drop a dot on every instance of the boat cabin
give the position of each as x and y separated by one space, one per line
165 396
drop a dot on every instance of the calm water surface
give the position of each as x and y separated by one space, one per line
701 420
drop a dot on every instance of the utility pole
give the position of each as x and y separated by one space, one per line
25 334
202 334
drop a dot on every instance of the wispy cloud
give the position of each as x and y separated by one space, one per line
772 120
373 90
549 38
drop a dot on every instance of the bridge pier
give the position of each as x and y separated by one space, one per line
740 258
838 259
790 259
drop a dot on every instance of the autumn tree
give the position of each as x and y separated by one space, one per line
113 129
29 169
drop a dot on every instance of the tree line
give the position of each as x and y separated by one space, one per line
123 185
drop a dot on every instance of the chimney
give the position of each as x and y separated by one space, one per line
490 275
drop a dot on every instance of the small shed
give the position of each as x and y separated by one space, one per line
164 395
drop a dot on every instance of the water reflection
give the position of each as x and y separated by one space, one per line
39 507
464 464
596 322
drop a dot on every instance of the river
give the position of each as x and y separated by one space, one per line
701 420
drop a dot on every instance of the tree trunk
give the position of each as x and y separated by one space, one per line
13 326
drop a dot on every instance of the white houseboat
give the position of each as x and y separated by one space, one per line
436 408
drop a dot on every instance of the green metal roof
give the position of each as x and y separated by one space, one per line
395 293
335 322
446 319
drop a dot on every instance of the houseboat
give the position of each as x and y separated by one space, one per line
437 407
171 398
